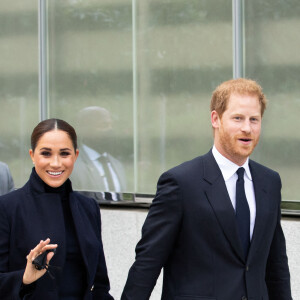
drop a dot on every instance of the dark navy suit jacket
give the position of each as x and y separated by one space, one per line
191 233
28 215
6 180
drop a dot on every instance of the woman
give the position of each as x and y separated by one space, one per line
45 209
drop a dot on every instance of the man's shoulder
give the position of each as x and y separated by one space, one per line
3 164
261 168
263 173
3 167
190 166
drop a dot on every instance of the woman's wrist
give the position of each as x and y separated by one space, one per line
25 280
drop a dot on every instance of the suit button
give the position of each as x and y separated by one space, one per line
247 269
244 298
92 288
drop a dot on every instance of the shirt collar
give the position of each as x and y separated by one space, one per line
228 168
91 153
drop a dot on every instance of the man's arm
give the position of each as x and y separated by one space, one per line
6 180
277 271
11 185
159 233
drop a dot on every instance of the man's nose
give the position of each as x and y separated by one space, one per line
246 126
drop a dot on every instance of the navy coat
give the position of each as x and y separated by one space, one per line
28 215
191 232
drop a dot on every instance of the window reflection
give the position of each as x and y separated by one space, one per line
97 168
182 50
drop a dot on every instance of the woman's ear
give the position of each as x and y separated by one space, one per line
76 153
31 155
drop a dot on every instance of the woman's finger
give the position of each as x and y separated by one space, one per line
49 247
39 249
49 256
29 257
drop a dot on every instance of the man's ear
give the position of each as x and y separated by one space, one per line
215 119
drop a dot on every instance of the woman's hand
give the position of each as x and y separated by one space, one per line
31 274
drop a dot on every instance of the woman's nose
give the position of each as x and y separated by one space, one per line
55 162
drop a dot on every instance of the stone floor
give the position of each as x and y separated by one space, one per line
121 229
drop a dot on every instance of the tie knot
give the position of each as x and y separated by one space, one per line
240 172
103 159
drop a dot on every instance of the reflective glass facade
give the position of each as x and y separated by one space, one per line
19 84
135 79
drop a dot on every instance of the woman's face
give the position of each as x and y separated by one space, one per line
54 157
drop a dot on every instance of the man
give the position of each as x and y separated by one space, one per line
217 238
96 169
6 180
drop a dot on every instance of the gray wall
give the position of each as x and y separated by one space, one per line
121 229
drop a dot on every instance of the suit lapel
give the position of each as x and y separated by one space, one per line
93 175
218 197
261 207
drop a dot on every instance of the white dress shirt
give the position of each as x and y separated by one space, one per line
94 157
228 169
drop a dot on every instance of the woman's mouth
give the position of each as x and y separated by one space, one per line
54 173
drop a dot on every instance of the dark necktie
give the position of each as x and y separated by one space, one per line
107 174
109 194
242 211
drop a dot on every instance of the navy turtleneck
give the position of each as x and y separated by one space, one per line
72 282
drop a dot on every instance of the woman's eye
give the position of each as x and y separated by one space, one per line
65 153
46 153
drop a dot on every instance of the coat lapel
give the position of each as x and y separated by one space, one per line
89 250
218 197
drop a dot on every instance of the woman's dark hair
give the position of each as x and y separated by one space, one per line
50 125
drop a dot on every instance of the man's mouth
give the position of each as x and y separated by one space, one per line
245 141
54 173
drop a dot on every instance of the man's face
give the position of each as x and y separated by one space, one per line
97 130
237 131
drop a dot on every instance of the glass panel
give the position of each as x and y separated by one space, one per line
184 50
272 57
90 85
176 61
19 84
